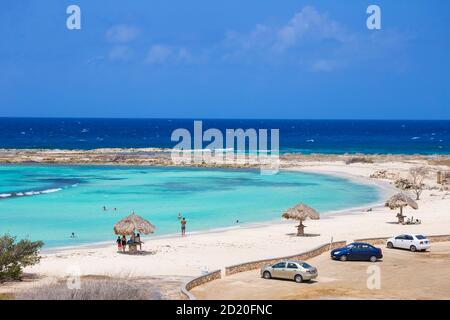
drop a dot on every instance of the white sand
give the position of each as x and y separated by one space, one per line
215 250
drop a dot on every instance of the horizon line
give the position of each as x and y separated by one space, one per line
213 118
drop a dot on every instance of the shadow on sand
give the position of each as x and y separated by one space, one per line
303 236
138 253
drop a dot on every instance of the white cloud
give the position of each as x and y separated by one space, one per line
119 53
306 26
159 54
309 24
184 55
323 65
297 42
122 33
310 40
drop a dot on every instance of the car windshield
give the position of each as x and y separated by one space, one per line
305 265
420 237
350 246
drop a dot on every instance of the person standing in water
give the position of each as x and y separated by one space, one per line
179 216
183 227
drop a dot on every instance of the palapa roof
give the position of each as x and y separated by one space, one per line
301 212
133 222
401 200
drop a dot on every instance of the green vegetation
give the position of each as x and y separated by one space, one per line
14 256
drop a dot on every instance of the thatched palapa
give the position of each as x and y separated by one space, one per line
399 201
133 222
301 212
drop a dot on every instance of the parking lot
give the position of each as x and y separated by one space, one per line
403 275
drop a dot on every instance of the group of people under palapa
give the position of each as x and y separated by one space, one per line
135 239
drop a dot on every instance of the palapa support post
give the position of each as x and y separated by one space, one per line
301 212
301 229
399 201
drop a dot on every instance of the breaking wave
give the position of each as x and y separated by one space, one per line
29 193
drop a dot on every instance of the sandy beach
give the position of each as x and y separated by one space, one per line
173 256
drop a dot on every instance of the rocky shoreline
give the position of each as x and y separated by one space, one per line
162 157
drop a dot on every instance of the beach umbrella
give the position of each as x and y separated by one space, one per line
133 222
301 212
401 200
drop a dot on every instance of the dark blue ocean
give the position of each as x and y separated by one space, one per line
306 136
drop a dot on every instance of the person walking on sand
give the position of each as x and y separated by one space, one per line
183 227
119 243
124 243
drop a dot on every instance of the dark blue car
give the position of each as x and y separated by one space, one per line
357 251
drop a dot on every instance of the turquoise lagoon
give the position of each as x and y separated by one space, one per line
50 202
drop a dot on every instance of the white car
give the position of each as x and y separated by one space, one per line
411 242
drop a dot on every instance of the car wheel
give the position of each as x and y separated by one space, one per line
413 248
298 278
267 275
373 259
390 245
343 258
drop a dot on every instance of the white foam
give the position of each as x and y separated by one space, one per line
51 190
29 193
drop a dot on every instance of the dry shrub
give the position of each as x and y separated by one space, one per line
403 184
417 177
7 296
92 290
358 160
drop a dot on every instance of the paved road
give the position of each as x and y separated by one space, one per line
404 275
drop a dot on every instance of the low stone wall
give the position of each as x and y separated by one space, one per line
439 238
373 241
214 275
301 256
378 241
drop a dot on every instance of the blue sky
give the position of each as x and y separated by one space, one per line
225 59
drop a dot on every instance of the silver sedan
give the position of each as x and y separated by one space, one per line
293 270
